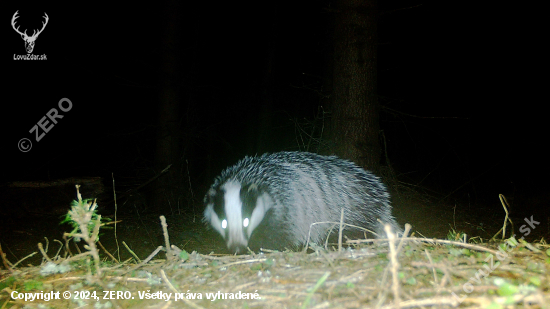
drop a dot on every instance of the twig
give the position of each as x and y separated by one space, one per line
173 289
131 252
394 265
107 252
169 253
7 263
78 256
432 265
21 260
315 288
146 183
47 244
116 211
341 230
505 205
41 248
151 256
336 223
432 241
56 256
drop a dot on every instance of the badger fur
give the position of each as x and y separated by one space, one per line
270 201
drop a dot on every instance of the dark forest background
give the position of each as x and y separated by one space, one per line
453 87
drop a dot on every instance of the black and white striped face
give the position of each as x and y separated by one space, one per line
235 211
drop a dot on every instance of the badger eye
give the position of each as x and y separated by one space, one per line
245 222
224 224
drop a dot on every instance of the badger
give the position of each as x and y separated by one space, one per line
270 201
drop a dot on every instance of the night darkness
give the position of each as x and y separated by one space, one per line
458 107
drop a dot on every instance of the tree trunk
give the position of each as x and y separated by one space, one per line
168 137
355 107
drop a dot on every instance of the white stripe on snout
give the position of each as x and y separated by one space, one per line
263 204
233 212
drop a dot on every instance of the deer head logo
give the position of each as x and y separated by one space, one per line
29 40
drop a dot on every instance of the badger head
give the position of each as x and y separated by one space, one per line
235 210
